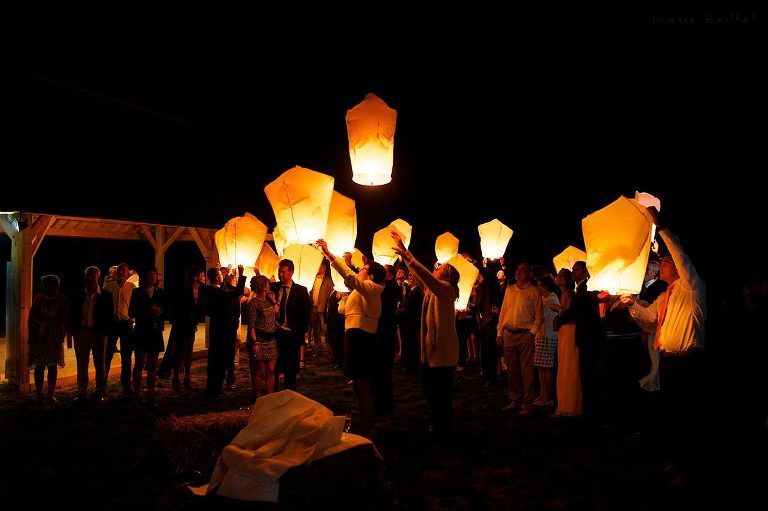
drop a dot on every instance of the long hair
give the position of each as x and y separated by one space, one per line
453 279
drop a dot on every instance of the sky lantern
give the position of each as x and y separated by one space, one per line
357 258
267 261
567 257
306 261
618 241
279 240
301 199
647 200
446 246
342 224
371 133
240 242
494 237
383 242
468 273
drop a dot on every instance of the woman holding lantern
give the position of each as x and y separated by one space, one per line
361 317
439 341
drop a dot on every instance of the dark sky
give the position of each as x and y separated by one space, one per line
188 122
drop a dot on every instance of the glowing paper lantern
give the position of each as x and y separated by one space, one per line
383 242
357 258
240 242
279 240
342 225
446 246
647 200
267 261
618 240
467 276
301 199
567 257
306 260
371 133
494 237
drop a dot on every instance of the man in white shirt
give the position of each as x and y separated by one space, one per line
121 290
519 320
678 315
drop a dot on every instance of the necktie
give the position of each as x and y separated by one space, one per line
283 300
662 314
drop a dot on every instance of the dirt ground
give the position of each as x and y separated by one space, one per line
108 455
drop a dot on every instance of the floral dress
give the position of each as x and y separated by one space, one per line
48 319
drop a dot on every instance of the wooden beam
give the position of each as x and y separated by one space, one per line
39 230
148 235
79 233
173 238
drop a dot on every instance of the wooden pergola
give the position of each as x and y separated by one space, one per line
27 231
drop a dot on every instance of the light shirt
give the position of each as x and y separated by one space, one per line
316 290
683 325
521 308
121 298
363 305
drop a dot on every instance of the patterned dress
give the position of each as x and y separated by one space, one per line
261 317
48 320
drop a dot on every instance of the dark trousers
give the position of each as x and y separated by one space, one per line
220 351
437 383
124 332
489 351
336 340
381 379
288 352
683 402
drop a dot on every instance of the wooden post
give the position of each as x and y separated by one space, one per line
159 247
19 302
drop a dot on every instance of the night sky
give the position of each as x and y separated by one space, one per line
188 123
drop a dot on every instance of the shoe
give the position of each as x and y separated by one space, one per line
232 386
511 407
525 412
460 368
52 401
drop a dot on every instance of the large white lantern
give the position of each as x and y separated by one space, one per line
383 252
306 260
342 225
618 241
568 257
494 237
371 133
240 241
301 199
268 261
467 276
446 246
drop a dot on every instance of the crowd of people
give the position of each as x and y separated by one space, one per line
551 337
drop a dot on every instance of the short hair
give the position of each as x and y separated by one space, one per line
50 280
377 271
213 275
260 281
286 263
548 282
92 269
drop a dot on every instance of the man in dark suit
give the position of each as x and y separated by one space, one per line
294 306
222 305
90 321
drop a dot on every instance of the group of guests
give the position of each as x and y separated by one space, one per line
536 324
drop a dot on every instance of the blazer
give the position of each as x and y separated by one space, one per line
104 313
297 308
